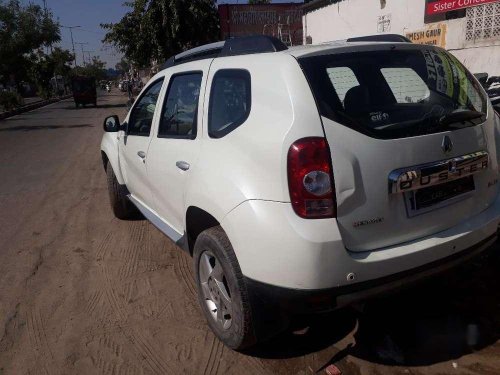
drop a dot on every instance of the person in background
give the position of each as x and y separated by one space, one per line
129 89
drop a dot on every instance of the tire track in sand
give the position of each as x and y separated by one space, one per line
103 246
184 273
39 343
131 253
115 348
151 357
108 368
107 348
94 301
215 354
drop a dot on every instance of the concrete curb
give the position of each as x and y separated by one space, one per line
32 106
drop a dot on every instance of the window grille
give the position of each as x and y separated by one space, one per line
483 22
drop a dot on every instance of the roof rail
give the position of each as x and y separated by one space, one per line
252 44
202 52
231 47
381 38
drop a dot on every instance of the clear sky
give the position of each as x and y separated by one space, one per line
89 14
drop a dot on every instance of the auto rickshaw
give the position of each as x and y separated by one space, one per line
84 90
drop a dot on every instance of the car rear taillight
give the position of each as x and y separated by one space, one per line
310 179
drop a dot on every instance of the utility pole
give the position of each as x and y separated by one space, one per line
72 42
83 53
90 58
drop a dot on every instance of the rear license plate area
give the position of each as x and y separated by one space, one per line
437 196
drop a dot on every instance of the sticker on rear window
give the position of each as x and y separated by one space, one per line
379 116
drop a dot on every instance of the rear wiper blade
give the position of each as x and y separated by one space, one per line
460 116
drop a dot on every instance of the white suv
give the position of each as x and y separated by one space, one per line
302 179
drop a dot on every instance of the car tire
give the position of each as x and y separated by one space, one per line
220 283
122 207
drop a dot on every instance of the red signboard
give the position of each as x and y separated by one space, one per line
443 6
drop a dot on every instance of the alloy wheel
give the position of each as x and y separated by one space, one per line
215 289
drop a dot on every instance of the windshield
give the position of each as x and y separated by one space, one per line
394 94
82 85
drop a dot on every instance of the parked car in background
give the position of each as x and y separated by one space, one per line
492 87
304 179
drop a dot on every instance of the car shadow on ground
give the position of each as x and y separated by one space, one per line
445 318
91 106
123 105
29 128
136 216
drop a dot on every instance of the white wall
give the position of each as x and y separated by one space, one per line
479 60
351 18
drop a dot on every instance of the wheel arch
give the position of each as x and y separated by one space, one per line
197 220
109 153
105 160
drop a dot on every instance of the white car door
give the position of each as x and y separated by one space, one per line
134 144
174 150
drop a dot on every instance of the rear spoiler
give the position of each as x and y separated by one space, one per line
381 38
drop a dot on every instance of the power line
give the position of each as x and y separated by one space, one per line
90 59
94 32
83 54
72 41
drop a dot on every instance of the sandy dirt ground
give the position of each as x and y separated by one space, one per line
84 293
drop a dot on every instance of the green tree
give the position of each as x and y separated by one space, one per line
62 60
41 70
23 29
123 65
96 68
158 29
43 67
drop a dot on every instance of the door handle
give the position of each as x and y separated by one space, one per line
182 165
141 154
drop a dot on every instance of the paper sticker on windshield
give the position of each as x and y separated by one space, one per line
431 70
462 81
445 75
441 81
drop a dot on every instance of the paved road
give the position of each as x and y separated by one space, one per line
84 293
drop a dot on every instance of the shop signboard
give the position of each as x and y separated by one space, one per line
434 35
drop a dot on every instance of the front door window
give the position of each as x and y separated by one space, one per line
141 116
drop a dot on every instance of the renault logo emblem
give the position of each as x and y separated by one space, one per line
447 145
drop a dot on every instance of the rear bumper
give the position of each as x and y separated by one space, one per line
86 99
296 301
276 247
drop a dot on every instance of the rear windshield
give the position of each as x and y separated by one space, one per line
83 85
395 93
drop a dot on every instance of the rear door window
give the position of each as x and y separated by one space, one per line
230 101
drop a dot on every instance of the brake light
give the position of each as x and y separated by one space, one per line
310 179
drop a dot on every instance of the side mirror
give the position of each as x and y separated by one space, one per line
111 124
